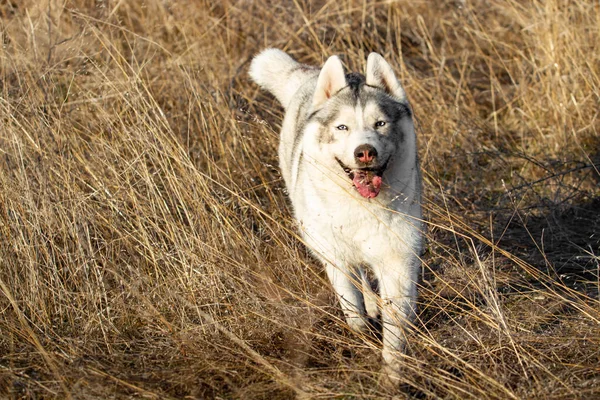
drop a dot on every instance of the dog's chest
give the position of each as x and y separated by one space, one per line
358 229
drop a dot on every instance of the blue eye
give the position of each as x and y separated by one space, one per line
379 124
341 128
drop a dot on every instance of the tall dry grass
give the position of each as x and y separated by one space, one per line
147 246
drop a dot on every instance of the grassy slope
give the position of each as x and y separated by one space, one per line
146 243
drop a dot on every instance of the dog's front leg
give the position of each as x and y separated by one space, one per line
346 283
397 282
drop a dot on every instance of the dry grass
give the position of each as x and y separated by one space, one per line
147 249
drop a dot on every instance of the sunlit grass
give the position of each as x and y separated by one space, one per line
147 243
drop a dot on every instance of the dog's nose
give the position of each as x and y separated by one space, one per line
365 153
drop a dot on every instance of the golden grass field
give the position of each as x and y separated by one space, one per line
147 248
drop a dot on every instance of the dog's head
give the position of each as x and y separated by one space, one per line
359 122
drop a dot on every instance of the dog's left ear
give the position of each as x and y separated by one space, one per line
380 74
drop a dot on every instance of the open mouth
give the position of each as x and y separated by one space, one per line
367 180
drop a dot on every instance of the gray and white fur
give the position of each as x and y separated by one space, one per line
349 160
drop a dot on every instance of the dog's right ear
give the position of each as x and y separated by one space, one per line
331 79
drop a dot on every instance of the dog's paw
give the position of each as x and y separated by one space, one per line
372 305
358 324
390 378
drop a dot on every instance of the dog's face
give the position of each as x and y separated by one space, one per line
360 126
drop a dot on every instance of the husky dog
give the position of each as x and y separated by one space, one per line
348 157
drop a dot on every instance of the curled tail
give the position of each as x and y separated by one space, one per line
278 73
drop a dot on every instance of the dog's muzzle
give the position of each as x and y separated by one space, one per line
366 180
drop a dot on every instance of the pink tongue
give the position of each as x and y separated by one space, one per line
367 183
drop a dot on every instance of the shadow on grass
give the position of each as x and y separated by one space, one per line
563 243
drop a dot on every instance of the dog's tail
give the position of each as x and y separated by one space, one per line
277 72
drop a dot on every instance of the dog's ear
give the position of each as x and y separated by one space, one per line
380 74
331 79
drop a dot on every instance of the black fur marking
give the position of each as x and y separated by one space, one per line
312 114
393 109
355 82
325 116
405 111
